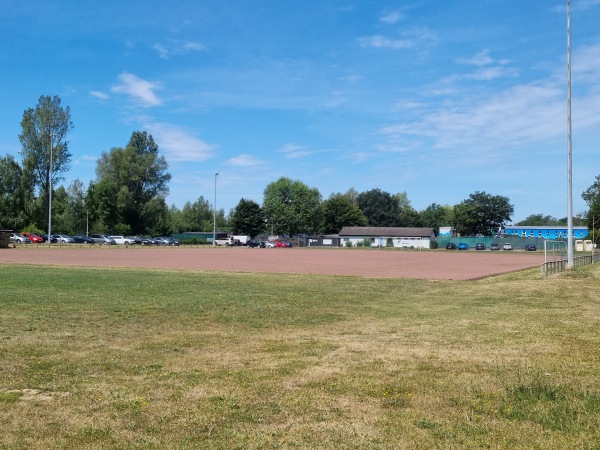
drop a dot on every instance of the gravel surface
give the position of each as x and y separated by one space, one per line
432 265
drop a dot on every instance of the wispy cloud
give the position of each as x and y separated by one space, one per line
392 17
379 41
245 160
173 47
99 95
293 151
409 39
482 58
140 90
178 144
515 117
581 5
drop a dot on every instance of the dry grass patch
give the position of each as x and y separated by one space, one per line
166 359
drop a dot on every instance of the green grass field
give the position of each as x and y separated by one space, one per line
106 358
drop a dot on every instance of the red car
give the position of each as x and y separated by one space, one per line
281 244
34 238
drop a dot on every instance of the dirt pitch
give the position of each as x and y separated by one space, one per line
432 265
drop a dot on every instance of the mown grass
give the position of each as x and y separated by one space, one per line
106 358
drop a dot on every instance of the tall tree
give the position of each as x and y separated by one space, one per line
379 207
592 197
436 215
339 211
135 178
247 218
44 132
12 202
538 220
291 207
482 214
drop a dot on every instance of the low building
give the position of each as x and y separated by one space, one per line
546 232
400 237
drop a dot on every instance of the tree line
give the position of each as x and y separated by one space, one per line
128 195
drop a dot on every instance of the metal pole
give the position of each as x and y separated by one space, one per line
570 259
215 212
50 192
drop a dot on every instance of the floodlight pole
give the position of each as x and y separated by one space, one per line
570 259
215 213
50 192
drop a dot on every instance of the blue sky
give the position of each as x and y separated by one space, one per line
438 99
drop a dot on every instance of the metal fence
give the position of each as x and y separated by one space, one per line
560 265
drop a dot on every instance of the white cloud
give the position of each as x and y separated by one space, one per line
173 47
293 151
139 89
581 5
391 17
99 95
384 42
482 58
491 73
178 144
245 160
521 115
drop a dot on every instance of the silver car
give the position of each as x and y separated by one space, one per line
103 239
63 239
18 238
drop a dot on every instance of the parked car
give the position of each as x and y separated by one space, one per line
172 241
530 248
507 246
450 246
267 244
480 246
18 238
34 238
253 243
463 246
103 239
52 238
495 246
79 239
64 239
122 240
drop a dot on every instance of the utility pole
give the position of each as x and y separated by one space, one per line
570 259
50 191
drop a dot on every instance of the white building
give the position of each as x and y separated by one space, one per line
388 236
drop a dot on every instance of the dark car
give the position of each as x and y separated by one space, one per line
252 243
463 246
82 239
495 246
52 239
480 246
530 248
450 246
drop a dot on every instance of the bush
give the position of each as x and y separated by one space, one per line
348 244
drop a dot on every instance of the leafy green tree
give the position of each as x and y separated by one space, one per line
592 197
380 208
131 185
12 201
437 216
409 217
482 214
538 220
247 218
339 211
45 128
291 207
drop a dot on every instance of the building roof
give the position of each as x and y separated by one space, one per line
387 231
